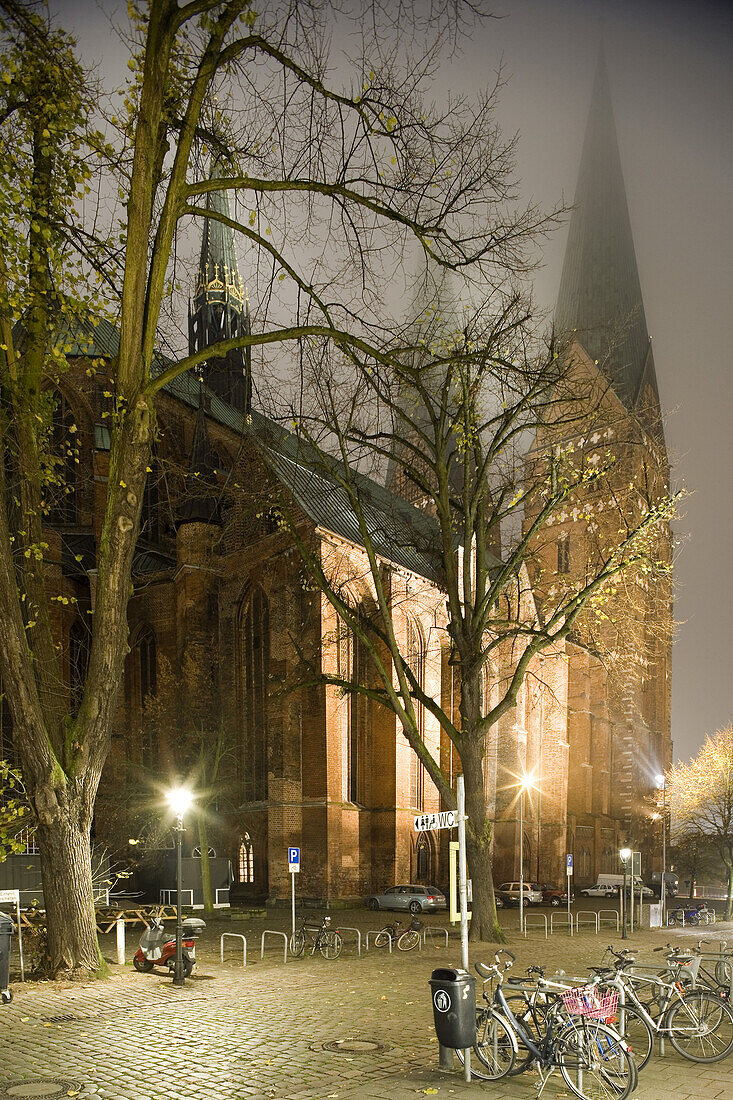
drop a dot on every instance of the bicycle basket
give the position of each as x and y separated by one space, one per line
587 1002
416 924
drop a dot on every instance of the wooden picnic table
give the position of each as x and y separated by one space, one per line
107 915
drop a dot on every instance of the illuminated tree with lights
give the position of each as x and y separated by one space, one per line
702 799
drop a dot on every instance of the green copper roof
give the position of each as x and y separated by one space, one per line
218 275
600 293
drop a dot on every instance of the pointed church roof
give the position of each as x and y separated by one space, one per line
218 275
600 293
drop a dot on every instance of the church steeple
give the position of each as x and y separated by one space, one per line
600 293
218 311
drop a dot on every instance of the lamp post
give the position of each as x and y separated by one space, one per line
661 782
179 800
625 855
526 783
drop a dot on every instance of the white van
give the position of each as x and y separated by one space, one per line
617 881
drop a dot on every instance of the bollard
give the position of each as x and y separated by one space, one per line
120 926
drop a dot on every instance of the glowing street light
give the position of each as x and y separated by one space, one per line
179 800
625 856
661 782
526 783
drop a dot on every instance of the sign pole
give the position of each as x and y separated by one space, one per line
292 902
14 897
294 868
463 896
570 875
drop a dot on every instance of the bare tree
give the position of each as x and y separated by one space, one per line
702 800
332 178
452 423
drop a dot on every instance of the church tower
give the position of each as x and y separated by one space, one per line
219 310
619 725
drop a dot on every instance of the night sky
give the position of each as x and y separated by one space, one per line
671 75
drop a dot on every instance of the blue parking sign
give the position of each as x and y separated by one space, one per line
570 864
293 859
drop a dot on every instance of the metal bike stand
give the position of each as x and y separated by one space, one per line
346 928
233 936
274 932
377 932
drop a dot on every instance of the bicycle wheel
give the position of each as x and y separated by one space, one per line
330 945
409 940
724 972
700 1027
297 943
382 938
595 1062
531 1017
494 1046
637 1033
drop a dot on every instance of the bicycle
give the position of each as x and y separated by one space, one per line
698 1023
406 939
321 938
594 1060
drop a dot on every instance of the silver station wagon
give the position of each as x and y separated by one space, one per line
415 899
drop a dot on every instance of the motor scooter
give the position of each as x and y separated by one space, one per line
158 947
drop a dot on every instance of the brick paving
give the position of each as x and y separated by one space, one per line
259 1033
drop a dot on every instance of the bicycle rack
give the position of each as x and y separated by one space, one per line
433 932
606 915
587 913
274 932
345 928
535 917
377 932
563 920
233 936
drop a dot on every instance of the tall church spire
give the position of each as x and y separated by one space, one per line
218 311
600 293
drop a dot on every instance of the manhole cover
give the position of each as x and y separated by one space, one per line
355 1046
42 1086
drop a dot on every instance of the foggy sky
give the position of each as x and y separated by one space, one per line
671 74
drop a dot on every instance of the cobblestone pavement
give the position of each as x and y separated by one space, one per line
259 1032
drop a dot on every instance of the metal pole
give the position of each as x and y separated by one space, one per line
664 853
521 859
631 912
623 907
178 978
292 897
463 895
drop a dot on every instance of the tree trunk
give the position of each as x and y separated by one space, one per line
729 902
66 866
484 922
203 833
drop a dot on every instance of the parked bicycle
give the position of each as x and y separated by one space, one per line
572 1036
697 1022
407 939
320 937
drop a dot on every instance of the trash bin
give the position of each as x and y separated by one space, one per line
6 930
454 1007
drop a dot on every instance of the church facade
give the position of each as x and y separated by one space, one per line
222 612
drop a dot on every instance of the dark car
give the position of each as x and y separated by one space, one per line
505 899
555 895
415 899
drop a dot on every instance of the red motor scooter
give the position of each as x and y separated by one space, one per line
158 948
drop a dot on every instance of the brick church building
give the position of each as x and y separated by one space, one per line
219 596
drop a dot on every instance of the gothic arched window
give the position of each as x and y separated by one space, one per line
563 554
246 859
423 859
348 662
146 674
61 492
255 670
150 514
415 655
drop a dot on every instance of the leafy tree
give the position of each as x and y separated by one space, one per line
452 423
332 180
14 810
702 800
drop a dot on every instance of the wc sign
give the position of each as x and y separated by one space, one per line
293 860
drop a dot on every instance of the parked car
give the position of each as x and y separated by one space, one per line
532 892
505 900
555 895
600 890
416 899
617 880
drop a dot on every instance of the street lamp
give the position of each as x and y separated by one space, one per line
179 799
661 781
625 855
526 783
